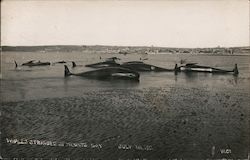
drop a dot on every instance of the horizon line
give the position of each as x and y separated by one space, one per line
153 46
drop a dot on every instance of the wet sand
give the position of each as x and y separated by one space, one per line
151 123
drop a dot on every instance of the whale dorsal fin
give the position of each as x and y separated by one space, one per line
66 71
15 64
73 64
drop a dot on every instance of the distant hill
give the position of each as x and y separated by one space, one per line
40 48
127 49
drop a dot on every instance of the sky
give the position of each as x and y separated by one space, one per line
166 23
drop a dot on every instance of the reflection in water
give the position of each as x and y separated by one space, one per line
65 84
235 79
209 78
175 76
191 75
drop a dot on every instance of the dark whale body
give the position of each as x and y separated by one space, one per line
28 63
106 73
103 64
143 67
61 62
193 67
39 63
32 63
76 65
113 59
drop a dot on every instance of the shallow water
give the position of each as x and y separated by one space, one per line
26 83
192 116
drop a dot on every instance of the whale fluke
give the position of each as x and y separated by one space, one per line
15 64
176 67
236 71
66 71
73 64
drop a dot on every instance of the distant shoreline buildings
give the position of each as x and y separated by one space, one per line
129 49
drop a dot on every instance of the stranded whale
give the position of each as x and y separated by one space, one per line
107 73
193 67
32 63
76 65
140 66
110 62
60 62
103 64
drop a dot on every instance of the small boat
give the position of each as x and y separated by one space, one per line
141 66
107 73
32 63
103 64
193 67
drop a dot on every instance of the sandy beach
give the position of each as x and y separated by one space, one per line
155 123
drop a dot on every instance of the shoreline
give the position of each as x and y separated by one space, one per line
124 50
183 54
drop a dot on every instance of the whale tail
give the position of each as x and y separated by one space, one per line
73 64
176 68
235 70
15 64
66 71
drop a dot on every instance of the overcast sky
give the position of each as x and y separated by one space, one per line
181 23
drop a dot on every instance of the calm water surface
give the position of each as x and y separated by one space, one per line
48 81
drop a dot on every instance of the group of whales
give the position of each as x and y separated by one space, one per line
110 69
